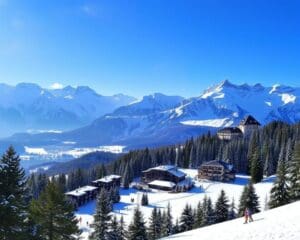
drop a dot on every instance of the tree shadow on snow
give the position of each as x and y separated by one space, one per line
197 189
240 180
127 192
121 206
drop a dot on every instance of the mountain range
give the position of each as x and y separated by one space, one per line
159 119
28 107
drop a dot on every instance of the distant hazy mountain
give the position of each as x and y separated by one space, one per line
28 107
160 119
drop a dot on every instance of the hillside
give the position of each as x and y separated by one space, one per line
280 223
84 162
161 199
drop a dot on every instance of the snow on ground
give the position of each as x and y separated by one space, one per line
280 223
78 152
223 122
67 152
36 151
160 199
288 98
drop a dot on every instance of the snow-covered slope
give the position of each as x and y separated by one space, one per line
233 102
177 201
28 107
280 223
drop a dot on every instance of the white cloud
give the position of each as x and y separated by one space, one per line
56 86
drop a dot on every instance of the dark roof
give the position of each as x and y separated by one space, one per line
230 130
249 120
218 162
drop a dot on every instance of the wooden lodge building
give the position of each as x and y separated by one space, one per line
216 171
230 133
248 125
84 194
108 182
164 177
245 128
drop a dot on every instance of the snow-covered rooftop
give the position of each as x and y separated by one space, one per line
108 178
162 183
177 173
162 167
81 191
168 168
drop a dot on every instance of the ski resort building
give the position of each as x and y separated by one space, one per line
164 177
248 125
230 133
245 128
108 182
216 171
82 195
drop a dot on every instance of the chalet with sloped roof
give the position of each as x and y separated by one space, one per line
164 177
216 170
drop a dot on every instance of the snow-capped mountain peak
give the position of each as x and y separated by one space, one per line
160 119
29 106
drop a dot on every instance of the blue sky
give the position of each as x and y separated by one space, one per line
145 46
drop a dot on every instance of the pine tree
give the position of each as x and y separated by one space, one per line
208 212
232 210
163 222
123 229
137 229
144 201
280 190
61 181
126 178
294 174
53 215
176 228
221 208
154 225
13 196
256 166
102 216
187 218
167 228
32 186
198 216
252 149
249 199
160 220
114 232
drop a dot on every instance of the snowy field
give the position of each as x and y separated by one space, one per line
277 224
160 199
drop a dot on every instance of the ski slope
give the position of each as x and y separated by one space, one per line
277 224
160 199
